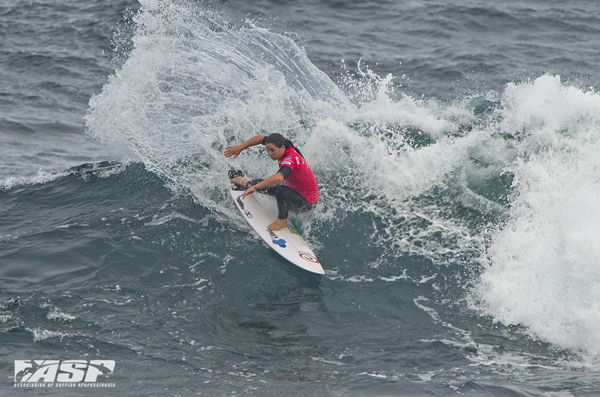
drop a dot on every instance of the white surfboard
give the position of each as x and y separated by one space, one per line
287 242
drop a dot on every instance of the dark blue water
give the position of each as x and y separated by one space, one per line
456 148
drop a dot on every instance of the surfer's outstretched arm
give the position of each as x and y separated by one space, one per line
273 180
235 150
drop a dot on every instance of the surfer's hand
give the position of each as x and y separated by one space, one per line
233 151
248 191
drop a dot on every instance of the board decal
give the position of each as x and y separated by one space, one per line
244 210
239 201
280 242
293 229
276 240
307 256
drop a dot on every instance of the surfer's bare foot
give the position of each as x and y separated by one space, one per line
240 180
277 225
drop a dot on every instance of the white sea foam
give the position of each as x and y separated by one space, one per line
194 84
43 334
40 178
58 315
544 264
43 177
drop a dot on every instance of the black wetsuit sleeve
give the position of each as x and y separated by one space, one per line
285 171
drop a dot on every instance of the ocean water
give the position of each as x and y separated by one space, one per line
456 144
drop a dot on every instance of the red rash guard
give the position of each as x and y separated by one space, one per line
302 178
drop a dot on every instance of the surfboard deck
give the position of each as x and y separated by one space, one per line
287 242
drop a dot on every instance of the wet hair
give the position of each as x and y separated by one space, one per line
280 141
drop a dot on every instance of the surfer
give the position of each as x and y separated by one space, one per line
294 185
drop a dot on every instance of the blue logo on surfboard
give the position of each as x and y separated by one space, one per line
280 242
276 240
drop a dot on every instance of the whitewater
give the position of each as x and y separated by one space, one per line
457 224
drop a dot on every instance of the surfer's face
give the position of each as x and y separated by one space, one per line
275 152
